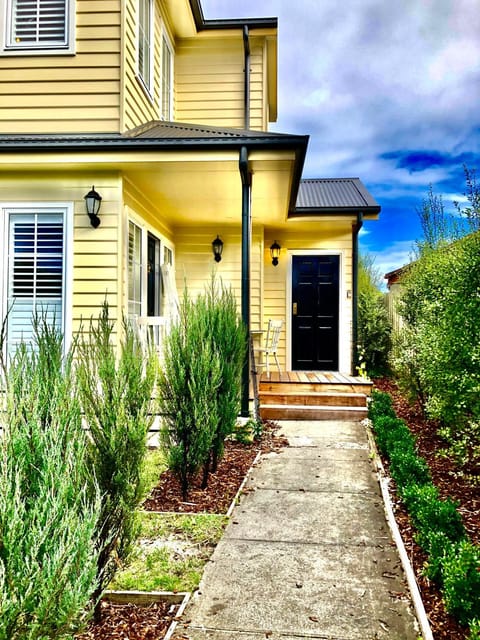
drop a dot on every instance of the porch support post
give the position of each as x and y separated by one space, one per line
355 231
246 241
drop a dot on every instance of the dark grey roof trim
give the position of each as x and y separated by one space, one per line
235 23
334 196
189 141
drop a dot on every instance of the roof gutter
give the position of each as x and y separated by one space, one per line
246 178
355 254
246 74
235 23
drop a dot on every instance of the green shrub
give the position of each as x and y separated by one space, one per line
116 398
439 547
226 332
390 432
188 386
407 467
48 519
380 405
461 581
474 628
430 514
374 326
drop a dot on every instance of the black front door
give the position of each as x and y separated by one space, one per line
315 299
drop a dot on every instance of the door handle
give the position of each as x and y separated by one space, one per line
294 308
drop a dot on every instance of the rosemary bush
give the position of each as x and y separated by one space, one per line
48 516
227 335
188 388
116 395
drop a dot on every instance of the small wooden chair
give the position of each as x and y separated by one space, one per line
271 344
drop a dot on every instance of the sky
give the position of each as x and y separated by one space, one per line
388 91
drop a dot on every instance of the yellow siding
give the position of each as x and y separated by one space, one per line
209 82
194 263
277 281
95 267
67 93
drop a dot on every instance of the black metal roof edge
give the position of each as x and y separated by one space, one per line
230 23
301 212
41 143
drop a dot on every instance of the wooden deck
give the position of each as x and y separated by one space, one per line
313 395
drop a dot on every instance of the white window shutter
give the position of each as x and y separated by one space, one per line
39 23
35 273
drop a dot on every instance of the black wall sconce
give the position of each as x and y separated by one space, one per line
93 200
275 252
217 246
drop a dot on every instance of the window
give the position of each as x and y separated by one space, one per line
35 266
39 25
134 270
166 107
145 44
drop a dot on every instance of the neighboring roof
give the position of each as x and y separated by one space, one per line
393 277
334 195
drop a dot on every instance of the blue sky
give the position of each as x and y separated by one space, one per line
388 91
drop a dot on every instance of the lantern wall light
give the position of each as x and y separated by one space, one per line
217 247
93 200
275 252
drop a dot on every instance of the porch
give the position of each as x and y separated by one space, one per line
312 395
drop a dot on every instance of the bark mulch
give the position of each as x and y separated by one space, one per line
451 482
135 622
131 622
222 486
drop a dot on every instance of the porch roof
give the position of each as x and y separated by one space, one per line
334 196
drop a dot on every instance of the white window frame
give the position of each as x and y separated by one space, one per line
166 113
9 47
145 38
166 248
64 209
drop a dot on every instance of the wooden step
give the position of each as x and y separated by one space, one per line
316 387
302 412
314 398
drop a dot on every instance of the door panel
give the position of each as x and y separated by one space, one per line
315 312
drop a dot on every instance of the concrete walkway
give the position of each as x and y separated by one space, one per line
308 552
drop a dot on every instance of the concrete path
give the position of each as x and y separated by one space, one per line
308 552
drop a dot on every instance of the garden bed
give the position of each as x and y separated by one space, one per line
135 621
452 483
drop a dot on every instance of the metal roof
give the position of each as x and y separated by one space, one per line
182 130
334 195
156 135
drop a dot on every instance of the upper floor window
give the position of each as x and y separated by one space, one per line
145 43
39 26
166 106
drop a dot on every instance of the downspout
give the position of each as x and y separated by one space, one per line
246 240
246 74
355 231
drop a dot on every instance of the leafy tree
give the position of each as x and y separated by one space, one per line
374 327
116 395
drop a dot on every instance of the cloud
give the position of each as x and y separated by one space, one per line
387 91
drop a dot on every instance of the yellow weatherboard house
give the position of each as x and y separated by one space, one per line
135 157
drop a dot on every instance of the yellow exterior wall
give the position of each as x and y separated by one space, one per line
194 263
67 93
335 239
209 81
95 273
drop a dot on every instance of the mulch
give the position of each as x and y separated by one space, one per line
222 486
131 622
135 622
451 482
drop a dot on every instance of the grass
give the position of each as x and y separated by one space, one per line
171 552
155 465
